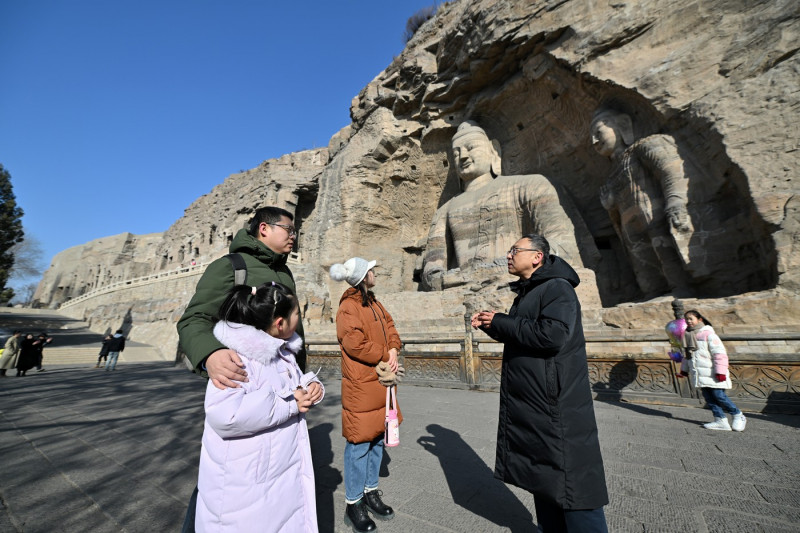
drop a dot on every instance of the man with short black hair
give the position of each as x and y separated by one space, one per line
115 345
547 434
264 246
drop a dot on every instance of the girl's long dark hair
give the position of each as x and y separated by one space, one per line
367 295
698 315
271 301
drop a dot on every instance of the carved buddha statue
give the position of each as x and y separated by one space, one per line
476 228
646 199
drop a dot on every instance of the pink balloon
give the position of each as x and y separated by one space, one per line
675 330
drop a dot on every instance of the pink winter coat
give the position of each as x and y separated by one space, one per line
707 361
255 464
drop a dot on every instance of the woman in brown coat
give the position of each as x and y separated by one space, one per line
367 336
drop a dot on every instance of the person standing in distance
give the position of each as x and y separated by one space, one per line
264 246
547 438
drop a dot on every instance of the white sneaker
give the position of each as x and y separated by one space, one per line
739 422
720 424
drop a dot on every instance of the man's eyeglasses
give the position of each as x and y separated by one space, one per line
514 250
289 229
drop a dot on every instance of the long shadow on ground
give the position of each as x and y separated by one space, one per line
472 484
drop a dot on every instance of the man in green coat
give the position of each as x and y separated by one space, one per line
264 246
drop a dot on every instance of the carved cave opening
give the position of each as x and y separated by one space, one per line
542 120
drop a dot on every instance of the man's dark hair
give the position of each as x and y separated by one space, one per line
267 215
538 243
119 331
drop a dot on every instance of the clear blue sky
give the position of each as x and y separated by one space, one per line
116 115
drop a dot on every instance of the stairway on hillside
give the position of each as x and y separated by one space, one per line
73 342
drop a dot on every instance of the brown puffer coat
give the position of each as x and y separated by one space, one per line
366 334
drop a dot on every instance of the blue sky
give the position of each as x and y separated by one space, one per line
116 115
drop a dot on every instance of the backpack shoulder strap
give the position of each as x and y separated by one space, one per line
239 268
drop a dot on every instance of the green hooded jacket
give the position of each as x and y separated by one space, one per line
195 328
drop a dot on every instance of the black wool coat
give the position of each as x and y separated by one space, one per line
547 434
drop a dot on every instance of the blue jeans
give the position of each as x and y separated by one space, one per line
554 519
112 360
717 400
362 463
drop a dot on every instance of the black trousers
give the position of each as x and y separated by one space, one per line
554 519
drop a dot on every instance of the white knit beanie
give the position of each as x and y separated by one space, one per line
354 270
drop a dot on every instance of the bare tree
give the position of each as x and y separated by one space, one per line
24 294
28 258
28 268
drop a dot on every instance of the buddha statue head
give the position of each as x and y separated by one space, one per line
474 153
611 132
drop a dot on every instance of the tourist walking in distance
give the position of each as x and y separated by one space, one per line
256 473
367 336
115 345
28 354
10 352
103 356
547 434
263 249
38 346
705 362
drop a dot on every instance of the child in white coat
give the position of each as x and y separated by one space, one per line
255 464
706 363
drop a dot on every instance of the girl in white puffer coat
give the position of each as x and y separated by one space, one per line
256 474
706 363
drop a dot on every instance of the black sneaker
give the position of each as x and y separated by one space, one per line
373 501
356 516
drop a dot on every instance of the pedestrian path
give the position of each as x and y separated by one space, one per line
92 451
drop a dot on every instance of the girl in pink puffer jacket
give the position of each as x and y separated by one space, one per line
706 363
255 464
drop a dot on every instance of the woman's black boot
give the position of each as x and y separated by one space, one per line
356 516
376 506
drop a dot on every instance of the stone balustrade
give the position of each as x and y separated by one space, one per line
626 365
156 277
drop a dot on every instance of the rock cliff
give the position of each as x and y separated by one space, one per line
719 77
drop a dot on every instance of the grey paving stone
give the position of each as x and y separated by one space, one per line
725 521
622 486
690 497
653 514
780 495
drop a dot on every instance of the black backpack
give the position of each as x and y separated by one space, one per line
239 268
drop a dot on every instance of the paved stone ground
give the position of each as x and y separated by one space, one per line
88 450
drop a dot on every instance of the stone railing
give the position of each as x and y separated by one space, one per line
156 277
629 365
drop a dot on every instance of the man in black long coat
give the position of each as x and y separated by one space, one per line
547 436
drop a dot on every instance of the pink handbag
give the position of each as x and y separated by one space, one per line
392 435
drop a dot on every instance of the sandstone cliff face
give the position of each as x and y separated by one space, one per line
719 77
98 263
534 74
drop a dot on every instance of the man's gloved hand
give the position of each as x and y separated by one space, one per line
721 377
682 374
386 377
